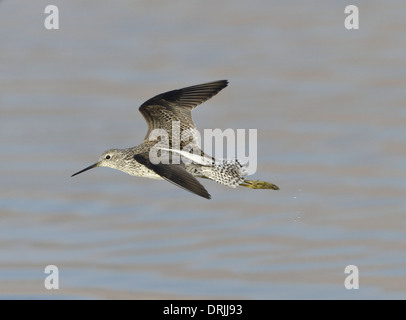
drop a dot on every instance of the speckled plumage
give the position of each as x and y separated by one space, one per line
161 112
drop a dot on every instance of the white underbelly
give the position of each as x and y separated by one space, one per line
146 173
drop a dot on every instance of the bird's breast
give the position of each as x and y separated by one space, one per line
139 170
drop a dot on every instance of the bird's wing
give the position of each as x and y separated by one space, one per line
174 173
176 105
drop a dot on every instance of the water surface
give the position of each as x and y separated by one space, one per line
329 106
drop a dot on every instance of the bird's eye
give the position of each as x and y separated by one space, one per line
107 157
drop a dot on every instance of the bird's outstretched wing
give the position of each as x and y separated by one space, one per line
176 105
174 173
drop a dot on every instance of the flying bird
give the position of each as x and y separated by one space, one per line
161 113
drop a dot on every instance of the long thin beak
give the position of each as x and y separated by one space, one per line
85 169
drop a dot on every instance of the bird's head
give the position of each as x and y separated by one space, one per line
108 159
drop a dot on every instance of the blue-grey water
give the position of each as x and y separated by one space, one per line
328 103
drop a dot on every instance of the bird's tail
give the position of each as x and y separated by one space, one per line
228 172
231 172
256 184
